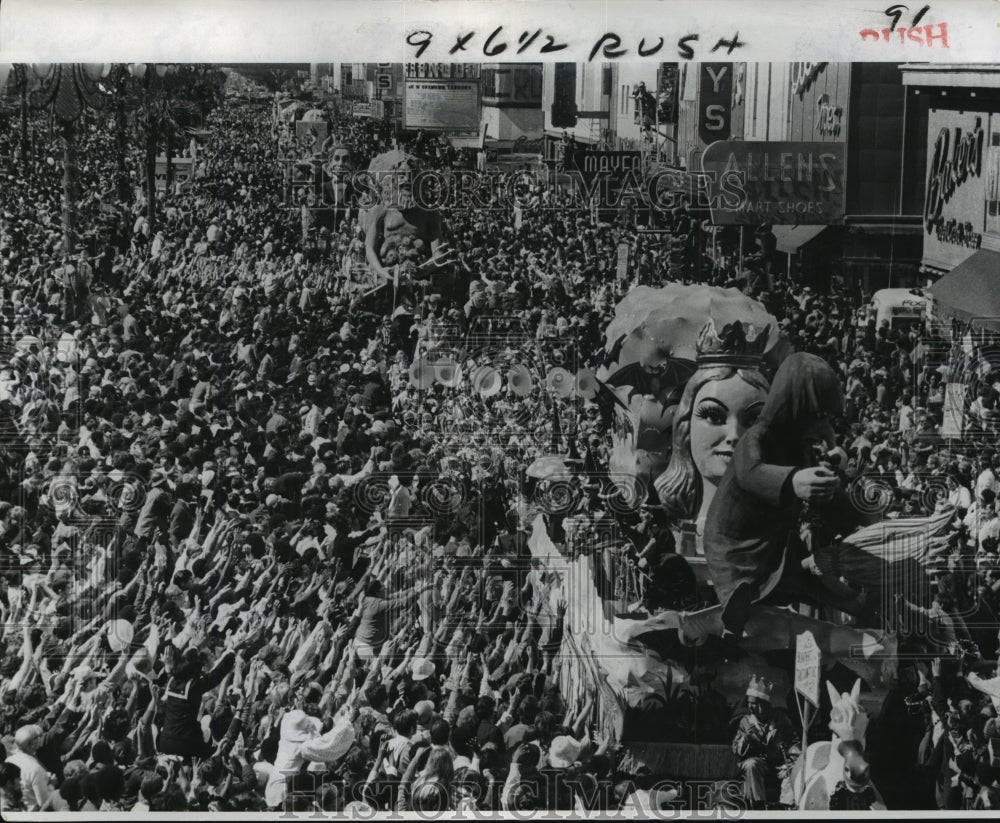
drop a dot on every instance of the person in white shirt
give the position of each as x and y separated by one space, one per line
987 479
977 410
979 516
958 496
36 785
296 728
905 415
989 527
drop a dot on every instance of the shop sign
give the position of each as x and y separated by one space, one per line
955 194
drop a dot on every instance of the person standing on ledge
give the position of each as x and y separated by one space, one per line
751 531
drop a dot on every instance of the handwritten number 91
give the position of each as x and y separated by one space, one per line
896 12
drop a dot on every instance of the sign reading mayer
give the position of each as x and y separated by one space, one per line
615 164
782 183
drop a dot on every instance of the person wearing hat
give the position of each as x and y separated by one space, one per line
296 728
560 773
156 508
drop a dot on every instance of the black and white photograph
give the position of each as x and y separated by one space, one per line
608 432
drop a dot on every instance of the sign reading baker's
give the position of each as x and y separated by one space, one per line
954 217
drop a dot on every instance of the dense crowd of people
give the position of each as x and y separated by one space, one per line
246 565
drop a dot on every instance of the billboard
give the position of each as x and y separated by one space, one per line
512 86
956 191
441 105
778 182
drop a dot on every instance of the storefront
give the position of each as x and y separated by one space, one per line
864 107
961 214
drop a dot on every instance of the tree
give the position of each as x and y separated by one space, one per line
171 98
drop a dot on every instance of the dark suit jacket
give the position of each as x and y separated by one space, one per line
752 515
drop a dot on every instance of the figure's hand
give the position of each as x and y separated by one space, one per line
815 484
809 565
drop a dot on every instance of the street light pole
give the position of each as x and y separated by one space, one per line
67 134
22 81
67 89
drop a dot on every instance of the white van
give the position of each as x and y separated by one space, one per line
901 307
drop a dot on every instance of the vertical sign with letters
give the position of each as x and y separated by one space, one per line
807 667
383 80
715 107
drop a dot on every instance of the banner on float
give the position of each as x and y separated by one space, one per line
787 183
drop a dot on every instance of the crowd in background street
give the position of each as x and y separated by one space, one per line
237 546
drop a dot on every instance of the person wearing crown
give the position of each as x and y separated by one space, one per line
764 748
720 402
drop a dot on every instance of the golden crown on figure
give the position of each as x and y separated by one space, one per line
739 345
760 688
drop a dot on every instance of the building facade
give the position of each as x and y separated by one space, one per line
960 215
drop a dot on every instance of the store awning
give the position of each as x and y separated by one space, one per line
971 290
792 238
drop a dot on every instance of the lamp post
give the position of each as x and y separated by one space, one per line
17 75
117 84
68 89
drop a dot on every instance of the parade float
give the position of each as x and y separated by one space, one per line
662 671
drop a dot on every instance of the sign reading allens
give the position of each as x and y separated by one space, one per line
955 195
782 183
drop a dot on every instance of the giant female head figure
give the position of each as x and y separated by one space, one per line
651 353
721 400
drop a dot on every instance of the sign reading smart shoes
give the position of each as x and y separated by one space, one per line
781 183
